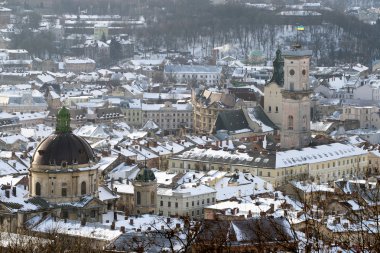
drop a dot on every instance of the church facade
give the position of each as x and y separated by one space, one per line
64 172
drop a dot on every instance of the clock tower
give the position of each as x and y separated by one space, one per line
295 132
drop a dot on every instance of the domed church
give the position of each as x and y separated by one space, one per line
64 171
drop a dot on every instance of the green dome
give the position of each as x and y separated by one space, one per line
145 175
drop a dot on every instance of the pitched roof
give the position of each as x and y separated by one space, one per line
251 231
258 115
231 120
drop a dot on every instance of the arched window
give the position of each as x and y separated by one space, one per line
152 198
138 198
290 122
83 188
38 189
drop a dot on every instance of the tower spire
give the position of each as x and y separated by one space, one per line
63 121
278 69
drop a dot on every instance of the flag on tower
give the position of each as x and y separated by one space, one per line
300 28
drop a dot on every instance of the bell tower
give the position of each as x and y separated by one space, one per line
295 132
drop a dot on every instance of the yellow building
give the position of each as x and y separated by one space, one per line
206 105
322 163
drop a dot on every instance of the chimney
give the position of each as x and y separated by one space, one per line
122 229
14 191
114 216
83 222
162 227
113 225
168 220
271 209
177 225
249 214
131 222
7 193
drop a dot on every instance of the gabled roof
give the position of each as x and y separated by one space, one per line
221 99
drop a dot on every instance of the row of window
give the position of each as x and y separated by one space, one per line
167 115
83 189
198 212
169 204
200 76
270 109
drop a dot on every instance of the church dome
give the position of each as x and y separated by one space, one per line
63 147
145 175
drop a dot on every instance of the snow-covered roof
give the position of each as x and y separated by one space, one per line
75 228
312 187
72 60
157 107
106 194
186 190
241 185
193 69
317 154
320 126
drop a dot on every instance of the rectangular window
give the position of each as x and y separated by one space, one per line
161 203
169 204
64 190
176 204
